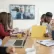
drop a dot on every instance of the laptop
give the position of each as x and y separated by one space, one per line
16 42
38 31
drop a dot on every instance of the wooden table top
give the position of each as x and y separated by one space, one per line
40 49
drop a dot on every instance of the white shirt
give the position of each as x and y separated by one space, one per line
48 27
21 15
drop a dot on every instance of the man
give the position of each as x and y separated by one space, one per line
48 19
20 14
52 28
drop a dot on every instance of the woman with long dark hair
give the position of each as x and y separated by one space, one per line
3 25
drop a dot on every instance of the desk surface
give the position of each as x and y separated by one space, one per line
40 49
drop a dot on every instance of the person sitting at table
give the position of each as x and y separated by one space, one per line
51 28
3 25
45 21
48 20
43 17
9 26
6 50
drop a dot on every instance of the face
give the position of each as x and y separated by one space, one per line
21 10
42 19
48 19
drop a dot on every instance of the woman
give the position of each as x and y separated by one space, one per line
43 19
3 25
4 19
9 24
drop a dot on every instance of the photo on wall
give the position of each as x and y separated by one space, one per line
22 11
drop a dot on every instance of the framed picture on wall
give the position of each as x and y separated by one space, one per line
22 11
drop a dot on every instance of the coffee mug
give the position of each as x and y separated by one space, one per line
19 35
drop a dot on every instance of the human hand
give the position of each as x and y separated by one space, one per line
11 50
52 22
46 35
15 30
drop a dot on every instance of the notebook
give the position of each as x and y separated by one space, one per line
38 31
47 42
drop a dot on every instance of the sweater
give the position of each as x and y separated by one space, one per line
3 33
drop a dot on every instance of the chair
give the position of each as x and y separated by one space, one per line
38 31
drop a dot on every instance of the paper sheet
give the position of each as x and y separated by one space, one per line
47 42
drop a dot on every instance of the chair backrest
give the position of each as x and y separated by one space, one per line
38 31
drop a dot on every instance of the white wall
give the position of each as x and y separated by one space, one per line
41 7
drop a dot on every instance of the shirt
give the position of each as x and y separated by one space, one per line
3 50
0 42
48 27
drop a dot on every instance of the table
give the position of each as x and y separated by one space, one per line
40 49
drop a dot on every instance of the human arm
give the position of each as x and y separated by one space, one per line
3 32
7 50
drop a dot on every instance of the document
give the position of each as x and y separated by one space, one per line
47 42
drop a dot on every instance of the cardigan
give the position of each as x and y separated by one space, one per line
3 33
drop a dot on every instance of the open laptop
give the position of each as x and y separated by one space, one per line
38 31
16 42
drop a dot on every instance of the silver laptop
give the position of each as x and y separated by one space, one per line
16 42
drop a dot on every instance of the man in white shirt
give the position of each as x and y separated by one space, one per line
48 19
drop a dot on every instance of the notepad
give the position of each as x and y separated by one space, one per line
47 42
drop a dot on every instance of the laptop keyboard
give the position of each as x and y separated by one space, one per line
18 43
